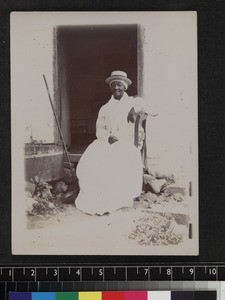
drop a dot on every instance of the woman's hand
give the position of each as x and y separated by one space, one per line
131 117
112 139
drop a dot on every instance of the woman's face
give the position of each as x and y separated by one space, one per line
117 89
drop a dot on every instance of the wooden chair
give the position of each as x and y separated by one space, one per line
141 121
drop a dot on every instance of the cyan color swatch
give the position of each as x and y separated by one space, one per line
43 296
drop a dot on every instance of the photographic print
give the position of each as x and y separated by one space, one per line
104 133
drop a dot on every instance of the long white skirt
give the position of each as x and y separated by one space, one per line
110 176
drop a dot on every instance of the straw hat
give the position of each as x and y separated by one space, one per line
120 76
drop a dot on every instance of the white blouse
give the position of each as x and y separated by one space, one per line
112 118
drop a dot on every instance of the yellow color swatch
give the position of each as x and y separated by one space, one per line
90 296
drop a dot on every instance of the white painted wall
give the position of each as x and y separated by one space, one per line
170 84
31 57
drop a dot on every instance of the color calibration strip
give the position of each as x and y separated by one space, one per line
118 295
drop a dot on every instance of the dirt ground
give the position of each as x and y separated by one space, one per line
145 229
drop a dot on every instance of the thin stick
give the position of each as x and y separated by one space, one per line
60 131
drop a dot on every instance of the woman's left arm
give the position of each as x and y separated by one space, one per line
142 107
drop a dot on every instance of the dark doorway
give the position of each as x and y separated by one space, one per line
86 56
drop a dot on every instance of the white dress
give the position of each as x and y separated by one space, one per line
110 175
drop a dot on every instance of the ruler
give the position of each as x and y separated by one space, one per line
112 273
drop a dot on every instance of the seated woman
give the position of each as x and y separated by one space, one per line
110 170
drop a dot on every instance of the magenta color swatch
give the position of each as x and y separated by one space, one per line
134 295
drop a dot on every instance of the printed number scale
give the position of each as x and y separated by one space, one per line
118 273
69 278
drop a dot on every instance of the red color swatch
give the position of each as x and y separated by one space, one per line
113 296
